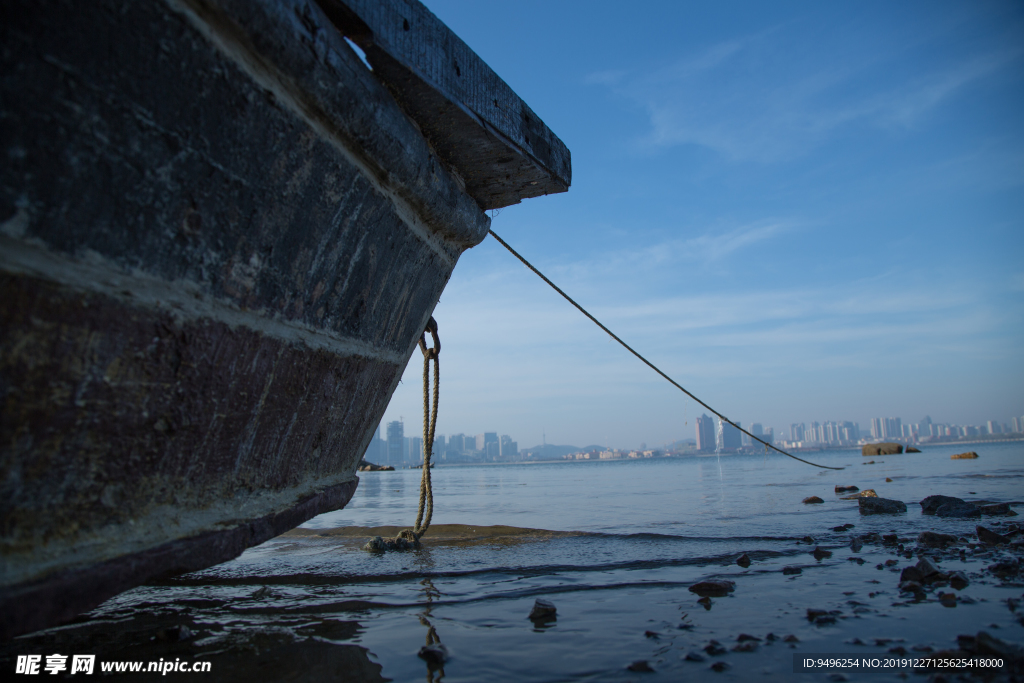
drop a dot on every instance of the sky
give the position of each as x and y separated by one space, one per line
799 210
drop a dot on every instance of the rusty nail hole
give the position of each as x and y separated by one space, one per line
405 24
458 71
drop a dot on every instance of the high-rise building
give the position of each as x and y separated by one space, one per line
769 435
396 442
1017 425
507 447
705 433
731 436
877 432
415 450
457 443
438 450
796 431
993 427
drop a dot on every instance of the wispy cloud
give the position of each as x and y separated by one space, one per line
736 98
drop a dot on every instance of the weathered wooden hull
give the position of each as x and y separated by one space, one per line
220 238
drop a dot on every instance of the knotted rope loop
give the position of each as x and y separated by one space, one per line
430 353
426 506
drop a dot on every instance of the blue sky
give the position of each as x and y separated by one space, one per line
800 211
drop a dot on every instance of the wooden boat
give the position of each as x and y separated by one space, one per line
221 236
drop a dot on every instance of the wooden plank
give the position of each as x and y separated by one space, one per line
499 147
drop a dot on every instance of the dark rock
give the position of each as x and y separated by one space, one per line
820 554
434 654
993 647
930 504
714 648
880 506
990 537
717 588
997 510
748 646
720 666
849 526
1005 569
746 636
911 587
911 449
839 529
791 639
838 677
365 466
931 539
856 545
846 489
947 599
970 455
404 541
261 593
743 560
890 539
885 448
651 634
812 500
958 580
911 574
788 571
807 539
706 602
174 634
958 510
543 610
927 567
694 657
888 479
771 637
640 666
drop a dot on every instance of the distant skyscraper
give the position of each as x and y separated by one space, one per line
731 436
457 443
415 450
705 433
769 435
993 427
396 445
796 431
876 428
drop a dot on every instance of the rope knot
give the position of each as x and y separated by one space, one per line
430 353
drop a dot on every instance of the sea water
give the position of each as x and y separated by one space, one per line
314 604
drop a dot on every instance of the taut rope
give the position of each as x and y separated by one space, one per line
646 362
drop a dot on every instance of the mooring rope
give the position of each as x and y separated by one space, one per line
410 538
429 424
648 363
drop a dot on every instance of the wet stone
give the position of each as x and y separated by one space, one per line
927 567
719 666
640 666
717 588
743 560
958 580
820 554
881 506
930 504
990 537
997 510
745 636
789 571
958 510
748 646
931 539
434 654
791 639
846 489
911 574
856 545
694 657
812 500
706 602
543 610
714 648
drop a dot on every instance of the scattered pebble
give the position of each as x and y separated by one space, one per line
543 611
694 657
792 570
845 489
810 500
651 634
745 636
714 648
880 506
887 479
743 560
932 539
791 639
820 554
748 646
640 666
856 545
435 654
958 580
719 666
706 601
